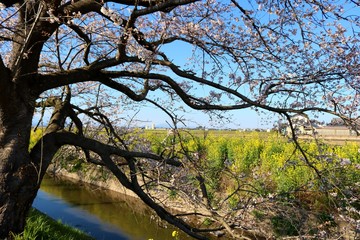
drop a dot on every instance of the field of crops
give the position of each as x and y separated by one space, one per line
270 161
311 176
273 160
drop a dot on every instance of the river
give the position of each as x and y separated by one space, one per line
103 214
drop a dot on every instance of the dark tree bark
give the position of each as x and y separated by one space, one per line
19 174
21 171
19 179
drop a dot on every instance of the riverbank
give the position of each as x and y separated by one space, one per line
102 178
41 226
96 179
101 213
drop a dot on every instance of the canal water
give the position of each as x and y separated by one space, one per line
101 213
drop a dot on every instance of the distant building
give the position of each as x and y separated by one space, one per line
152 127
303 126
335 131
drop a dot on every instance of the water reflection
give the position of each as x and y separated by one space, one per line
103 214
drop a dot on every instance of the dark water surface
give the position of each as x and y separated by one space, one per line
101 213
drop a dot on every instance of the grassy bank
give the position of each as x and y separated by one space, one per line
40 227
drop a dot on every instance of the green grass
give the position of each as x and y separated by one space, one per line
40 227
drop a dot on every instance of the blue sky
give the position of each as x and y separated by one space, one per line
247 118
238 119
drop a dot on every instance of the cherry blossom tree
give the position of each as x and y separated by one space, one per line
85 59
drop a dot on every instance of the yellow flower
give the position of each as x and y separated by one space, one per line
175 234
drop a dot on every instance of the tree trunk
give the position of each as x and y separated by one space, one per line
19 180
